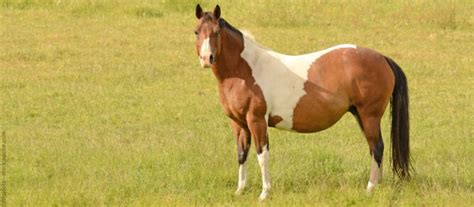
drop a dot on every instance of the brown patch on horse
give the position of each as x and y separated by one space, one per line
373 81
240 97
338 80
274 120
325 101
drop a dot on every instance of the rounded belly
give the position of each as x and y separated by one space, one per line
307 120
308 123
314 113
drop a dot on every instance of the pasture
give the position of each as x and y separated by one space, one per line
104 103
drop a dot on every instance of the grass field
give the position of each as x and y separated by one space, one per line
104 103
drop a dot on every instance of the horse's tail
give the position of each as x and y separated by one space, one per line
400 134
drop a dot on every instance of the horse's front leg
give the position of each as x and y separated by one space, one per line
258 128
242 135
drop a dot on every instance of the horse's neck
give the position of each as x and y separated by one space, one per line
229 61
238 49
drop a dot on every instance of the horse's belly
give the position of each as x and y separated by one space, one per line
307 123
318 112
315 122
313 112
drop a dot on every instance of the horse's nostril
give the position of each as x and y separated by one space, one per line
211 59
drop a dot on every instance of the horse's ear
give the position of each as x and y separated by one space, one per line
217 12
199 12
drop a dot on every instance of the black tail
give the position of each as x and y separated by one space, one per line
400 134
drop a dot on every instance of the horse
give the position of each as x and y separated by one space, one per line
261 88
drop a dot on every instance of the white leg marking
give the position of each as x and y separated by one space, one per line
263 159
375 175
370 187
242 179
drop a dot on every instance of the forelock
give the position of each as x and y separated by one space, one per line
208 17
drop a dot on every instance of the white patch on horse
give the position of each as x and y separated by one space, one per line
205 52
263 159
281 77
242 178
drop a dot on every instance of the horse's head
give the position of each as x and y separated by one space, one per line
207 35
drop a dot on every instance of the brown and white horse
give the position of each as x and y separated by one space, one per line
261 88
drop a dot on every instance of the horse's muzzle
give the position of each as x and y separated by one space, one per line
206 60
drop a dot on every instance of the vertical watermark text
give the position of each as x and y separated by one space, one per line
4 169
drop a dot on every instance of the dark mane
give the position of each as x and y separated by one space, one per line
224 24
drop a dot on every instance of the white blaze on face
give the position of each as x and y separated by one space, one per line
205 53
281 77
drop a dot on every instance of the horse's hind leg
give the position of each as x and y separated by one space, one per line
371 127
242 135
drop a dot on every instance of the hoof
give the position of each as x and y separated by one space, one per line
370 187
263 196
239 191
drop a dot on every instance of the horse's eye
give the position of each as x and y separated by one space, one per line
197 34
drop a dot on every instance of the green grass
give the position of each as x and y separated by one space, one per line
104 103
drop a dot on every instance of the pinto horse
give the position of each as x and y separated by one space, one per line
261 88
